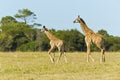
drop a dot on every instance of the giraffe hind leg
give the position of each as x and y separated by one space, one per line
102 59
60 54
65 57
103 55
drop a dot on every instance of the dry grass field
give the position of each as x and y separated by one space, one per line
37 66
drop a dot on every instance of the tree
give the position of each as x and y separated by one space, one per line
26 15
103 32
7 20
112 43
5 42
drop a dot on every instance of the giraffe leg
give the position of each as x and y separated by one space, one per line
102 58
65 57
92 58
102 55
60 54
51 58
89 53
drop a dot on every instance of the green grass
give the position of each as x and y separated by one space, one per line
37 66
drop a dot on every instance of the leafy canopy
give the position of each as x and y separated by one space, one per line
25 15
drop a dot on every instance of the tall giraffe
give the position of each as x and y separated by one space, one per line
54 42
91 37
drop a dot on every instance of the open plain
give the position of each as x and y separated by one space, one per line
37 66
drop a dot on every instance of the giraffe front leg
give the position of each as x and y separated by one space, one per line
92 58
51 58
89 53
87 58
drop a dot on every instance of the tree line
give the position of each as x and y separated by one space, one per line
19 33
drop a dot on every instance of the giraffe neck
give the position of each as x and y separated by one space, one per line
50 36
85 29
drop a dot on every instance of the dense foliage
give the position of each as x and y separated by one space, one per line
20 36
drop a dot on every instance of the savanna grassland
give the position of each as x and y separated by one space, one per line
37 66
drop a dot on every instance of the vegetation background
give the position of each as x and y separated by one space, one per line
21 33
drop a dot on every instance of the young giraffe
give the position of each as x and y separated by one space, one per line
54 42
91 37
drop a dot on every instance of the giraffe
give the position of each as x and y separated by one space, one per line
54 42
91 37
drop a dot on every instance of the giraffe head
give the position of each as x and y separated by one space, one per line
77 20
43 29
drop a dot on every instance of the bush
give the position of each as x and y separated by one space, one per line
31 46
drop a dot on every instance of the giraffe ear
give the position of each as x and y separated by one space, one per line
43 26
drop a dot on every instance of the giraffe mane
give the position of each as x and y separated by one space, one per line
82 20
